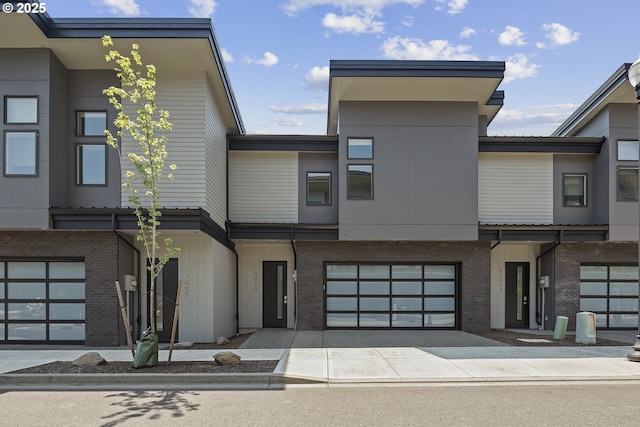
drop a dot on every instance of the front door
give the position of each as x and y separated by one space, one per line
274 294
166 294
517 295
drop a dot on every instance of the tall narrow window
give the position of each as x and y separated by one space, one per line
91 164
318 188
575 189
91 123
627 184
360 182
20 109
360 148
20 153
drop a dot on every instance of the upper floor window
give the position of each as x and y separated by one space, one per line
360 148
628 150
20 109
91 123
21 153
360 182
627 184
574 189
91 164
319 188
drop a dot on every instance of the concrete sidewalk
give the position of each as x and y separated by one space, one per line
340 357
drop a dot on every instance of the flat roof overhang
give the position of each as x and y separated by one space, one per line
304 143
543 233
446 81
540 144
123 219
171 44
267 231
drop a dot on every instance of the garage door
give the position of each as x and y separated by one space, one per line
42 301
610 291
391 296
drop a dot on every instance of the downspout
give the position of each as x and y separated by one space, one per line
232 246
295 282
136 250
541 293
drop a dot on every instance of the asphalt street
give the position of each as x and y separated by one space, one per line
574 404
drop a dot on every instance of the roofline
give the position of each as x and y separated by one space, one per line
308 143
180 28
612 83
540 144
402 68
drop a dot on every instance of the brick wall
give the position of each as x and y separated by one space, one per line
100 252
569 256
475 259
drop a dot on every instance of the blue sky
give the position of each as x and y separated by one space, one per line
277 52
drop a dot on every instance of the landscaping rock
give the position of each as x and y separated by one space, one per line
222 341
183 345
92 359
226 358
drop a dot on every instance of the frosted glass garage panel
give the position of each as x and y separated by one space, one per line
66 311
439 272
623 288
593 272
66 290
26 270
374 272
66 270
407 304
26 311
407 288
27 332
342 271
66 331
439 288
623 273
21 290
406 271
593 304
439 320
374 288
374 304
374 320
406 320
623 321
342 320
439 304
593 288
342 304
342 288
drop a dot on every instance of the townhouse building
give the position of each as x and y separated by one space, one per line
405 214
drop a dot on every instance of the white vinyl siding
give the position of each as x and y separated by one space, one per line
182 94
263 186
515 188
216 166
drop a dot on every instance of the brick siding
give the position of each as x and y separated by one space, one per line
475 259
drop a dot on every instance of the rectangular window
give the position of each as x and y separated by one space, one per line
628 150
360 182
20 153
318 188
91 123
91 164
20 109
574 189
627 184
360 148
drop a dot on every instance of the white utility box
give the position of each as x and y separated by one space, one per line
586 327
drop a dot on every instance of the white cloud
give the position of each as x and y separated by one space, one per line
408 21
288 121
317 78
299 109
467 32
268 60
453 6
511 36
519 67
123 7
355 24
536 120
558 34
202 8
413 48
291 7
226 56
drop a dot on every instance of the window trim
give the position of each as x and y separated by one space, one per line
6 110
330 202
77 127
36 159
618 168
370 138
78 162
585 177
349 197
618 150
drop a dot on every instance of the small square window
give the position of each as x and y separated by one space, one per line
360 148
627 184
318 188
574 190
20 109
628 150
91 123
360 182
91 164
21 153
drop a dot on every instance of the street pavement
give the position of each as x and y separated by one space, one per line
350 357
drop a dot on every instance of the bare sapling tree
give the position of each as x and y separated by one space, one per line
148 127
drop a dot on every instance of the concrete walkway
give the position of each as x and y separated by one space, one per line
339 357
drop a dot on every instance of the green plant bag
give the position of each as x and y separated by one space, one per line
146 351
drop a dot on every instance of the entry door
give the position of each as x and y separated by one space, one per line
517 295
274 294
166 294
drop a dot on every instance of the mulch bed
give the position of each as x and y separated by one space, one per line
511 338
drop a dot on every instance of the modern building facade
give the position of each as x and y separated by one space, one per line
404 215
